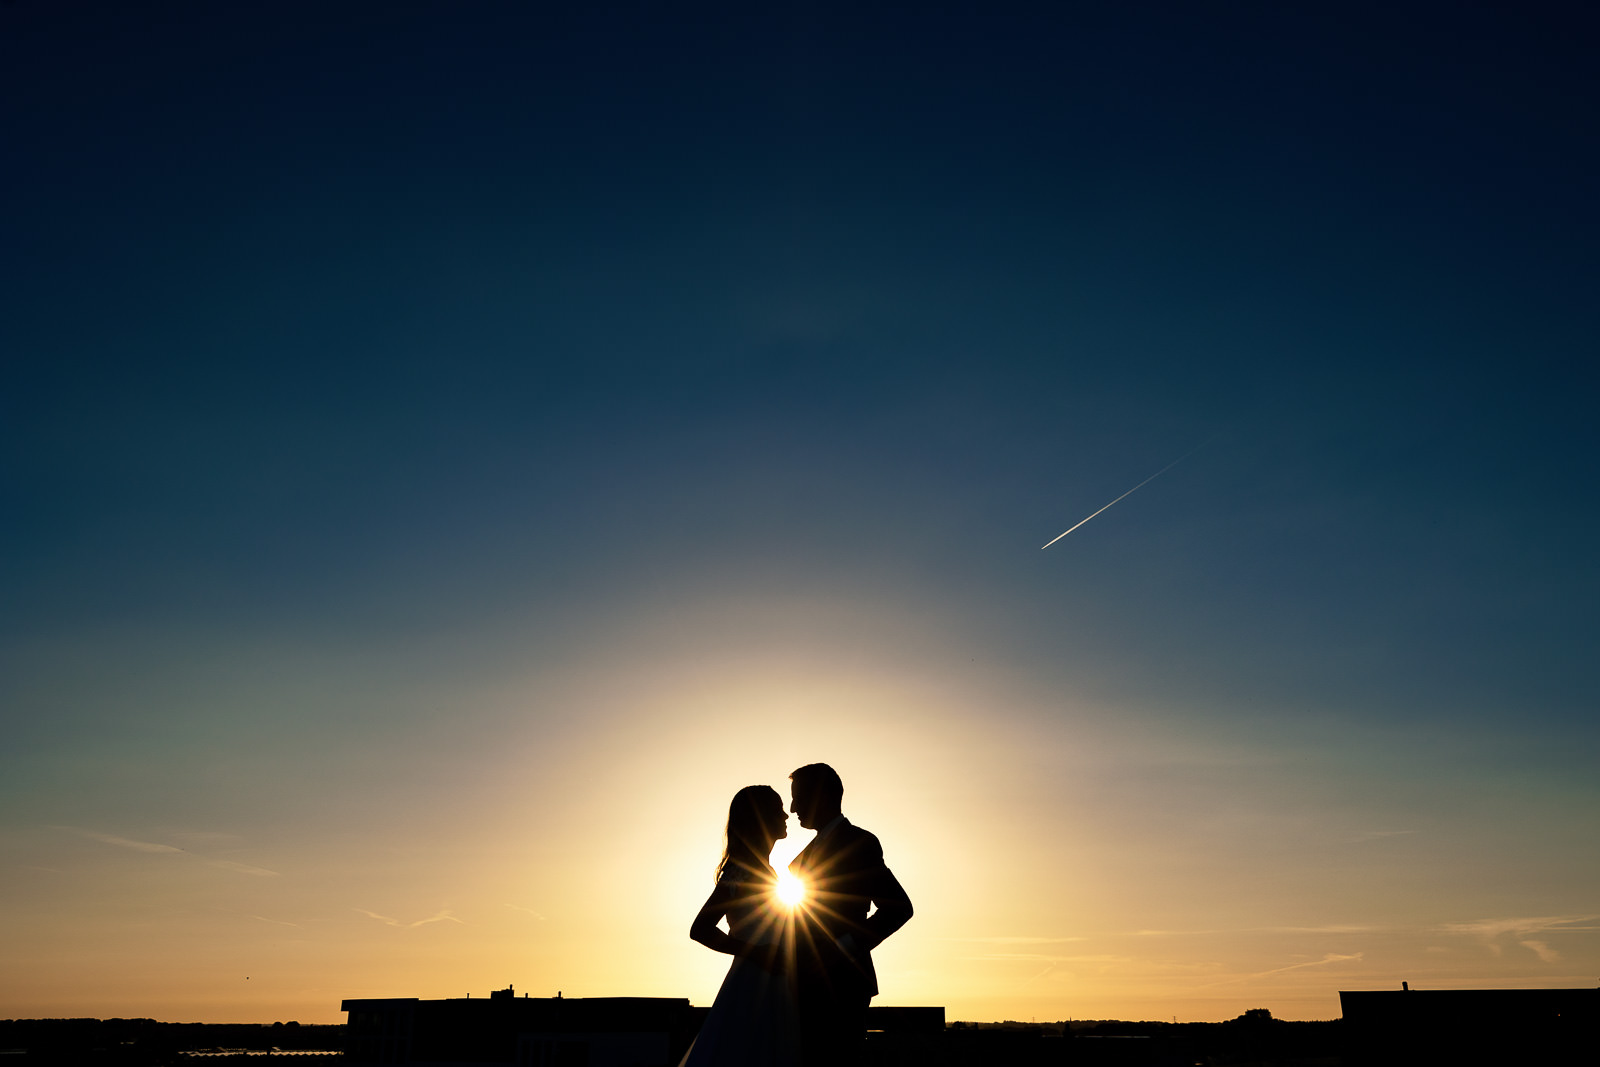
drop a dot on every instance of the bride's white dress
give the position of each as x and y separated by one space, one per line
752 1021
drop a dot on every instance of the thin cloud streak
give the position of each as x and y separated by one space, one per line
1330 958
155 848
1490 928
1542 949
121 842
442 916
1051 959
1522 930
1014 940
1124 496
243 868
1333 928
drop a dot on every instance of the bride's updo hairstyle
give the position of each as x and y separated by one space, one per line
749 836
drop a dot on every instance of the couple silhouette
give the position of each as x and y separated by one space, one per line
797 992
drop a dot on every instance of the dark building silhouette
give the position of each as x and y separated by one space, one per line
1471 1026
534 1032
555 1031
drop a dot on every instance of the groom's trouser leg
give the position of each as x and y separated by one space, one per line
853 1030
834 1033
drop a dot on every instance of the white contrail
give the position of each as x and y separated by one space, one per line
1124 496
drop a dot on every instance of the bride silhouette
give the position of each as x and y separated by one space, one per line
752 1023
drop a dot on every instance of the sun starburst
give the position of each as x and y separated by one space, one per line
791 890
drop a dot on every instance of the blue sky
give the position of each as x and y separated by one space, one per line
364 364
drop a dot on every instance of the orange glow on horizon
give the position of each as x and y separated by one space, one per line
1056 870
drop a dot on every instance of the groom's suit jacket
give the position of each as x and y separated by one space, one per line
844 875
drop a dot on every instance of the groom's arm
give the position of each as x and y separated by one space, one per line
892 904
888 896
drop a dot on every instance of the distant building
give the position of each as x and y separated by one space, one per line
1471 1026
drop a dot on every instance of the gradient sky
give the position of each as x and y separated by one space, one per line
448 449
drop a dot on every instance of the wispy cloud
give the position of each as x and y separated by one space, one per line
530 911
1541 949
207 839
274 922
243 868
155 848
121 842
1490 928
443 916
1523 930
1330 958
1052 959
1014 940
1331 928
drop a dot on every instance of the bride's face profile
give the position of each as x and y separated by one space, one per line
775 818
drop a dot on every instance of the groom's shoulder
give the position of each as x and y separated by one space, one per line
856 838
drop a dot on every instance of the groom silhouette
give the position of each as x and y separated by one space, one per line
844 875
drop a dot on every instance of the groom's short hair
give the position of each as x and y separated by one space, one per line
821 779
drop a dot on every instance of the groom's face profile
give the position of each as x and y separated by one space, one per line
803 802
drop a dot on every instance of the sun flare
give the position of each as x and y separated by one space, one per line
791 890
